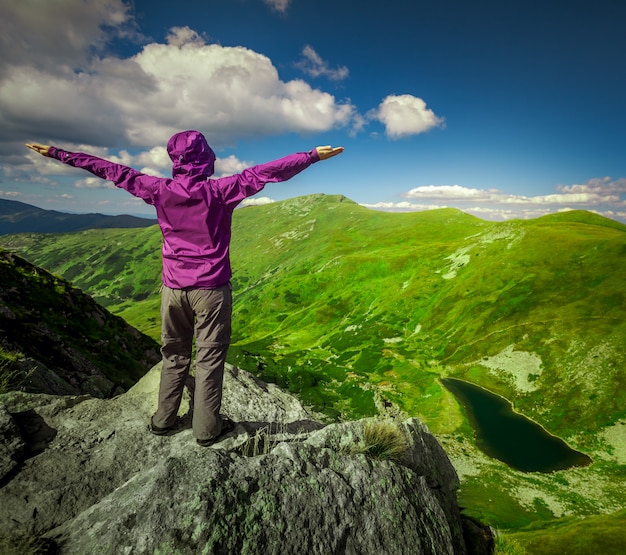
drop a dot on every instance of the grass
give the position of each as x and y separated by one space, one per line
52 321
11 378
382 440
354 310
263 440
505 545
596 535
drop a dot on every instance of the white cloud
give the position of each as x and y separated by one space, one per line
93 183
278 5
598 185
401 206
312 64
155 161
449 192
60 35
594 193
184 83
405 115
257 201
230 165
181 36
603 196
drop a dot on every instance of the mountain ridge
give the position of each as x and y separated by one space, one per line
19 217
361 312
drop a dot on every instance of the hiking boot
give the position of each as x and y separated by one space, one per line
158 431
227 426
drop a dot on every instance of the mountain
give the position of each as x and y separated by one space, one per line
362 313
18 217
281 482
79 474
55 339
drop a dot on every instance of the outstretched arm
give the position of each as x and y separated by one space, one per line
250 181
136 183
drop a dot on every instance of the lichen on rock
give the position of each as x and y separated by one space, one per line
99 482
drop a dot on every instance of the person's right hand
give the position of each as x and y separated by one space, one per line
325 152
41 149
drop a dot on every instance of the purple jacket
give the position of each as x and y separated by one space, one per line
193 210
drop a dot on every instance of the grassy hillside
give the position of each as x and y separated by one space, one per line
55 339
18 217
362 312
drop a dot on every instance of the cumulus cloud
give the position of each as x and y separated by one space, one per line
56 83
450 192
599 185
405 115
402 206
60 35
604 196
93 183
594 193
312 64
230 165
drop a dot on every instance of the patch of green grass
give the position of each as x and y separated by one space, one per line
504 545
596 535
336 302
54 322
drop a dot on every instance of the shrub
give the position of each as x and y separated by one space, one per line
11 377
382 440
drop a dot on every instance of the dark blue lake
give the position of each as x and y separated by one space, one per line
510 437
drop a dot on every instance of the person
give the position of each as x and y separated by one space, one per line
194 212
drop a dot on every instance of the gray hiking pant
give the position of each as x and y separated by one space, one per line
205 314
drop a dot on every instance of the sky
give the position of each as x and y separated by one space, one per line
503 109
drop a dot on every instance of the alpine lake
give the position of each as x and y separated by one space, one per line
510 437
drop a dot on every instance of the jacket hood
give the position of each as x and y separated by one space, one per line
190 154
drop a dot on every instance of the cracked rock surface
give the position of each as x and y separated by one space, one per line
85 474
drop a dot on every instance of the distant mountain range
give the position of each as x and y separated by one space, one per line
18 217
362 312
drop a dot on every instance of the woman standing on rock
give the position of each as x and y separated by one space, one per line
194 213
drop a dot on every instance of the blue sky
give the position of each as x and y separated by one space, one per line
502 109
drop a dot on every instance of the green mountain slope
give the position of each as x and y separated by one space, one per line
18 217
362 312
55 339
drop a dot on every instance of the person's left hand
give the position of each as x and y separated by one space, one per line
44 150
326 152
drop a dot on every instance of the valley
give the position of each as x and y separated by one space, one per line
362 313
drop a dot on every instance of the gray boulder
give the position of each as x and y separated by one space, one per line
85 474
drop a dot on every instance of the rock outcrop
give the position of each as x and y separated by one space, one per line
86 475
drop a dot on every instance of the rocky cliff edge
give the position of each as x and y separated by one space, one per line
83 475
